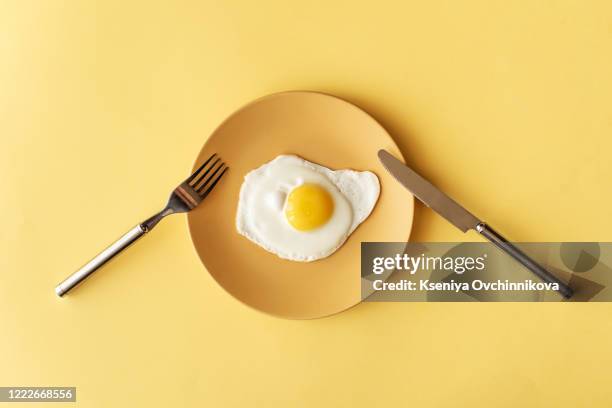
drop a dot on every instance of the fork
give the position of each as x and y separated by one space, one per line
187 196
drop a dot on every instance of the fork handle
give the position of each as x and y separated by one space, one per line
103 257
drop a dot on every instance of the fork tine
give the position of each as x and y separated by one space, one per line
207 180
195 173
214 183
204 174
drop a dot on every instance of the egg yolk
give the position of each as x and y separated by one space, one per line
308 206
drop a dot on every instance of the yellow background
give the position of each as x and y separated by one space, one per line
104 105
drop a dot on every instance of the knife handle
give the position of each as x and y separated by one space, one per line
503 244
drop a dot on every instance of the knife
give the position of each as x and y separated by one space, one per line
462 218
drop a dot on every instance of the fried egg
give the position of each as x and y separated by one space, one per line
302 211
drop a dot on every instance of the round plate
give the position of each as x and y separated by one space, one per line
322 129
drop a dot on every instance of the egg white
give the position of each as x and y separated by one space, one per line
261 218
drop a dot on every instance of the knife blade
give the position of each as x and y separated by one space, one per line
448 208
428 193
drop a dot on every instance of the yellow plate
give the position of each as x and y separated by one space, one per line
325 130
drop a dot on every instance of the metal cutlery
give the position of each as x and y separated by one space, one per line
462 218
187 196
